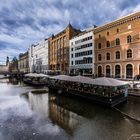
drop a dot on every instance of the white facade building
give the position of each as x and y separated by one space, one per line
81 53
38 57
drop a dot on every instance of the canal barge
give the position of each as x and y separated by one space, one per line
35 79
106 91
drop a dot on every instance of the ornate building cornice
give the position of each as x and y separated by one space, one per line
118 22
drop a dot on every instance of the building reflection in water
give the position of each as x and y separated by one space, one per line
61 115
81 119
39 103
62 111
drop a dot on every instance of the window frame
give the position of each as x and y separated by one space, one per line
108 55
117 55
129 55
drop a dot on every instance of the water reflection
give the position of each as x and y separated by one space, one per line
49 116
12 81
82 120
39 103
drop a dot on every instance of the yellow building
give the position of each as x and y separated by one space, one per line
23 63
117 47
59 49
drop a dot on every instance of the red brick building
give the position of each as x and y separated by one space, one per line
117 47
59 49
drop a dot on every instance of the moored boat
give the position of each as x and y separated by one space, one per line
107 91
35 79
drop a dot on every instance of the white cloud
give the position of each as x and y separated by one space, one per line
10 39
23 22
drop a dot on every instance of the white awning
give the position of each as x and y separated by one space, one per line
36 75
103 81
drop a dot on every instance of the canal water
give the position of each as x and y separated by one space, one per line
46 116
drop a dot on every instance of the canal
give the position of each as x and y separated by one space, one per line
46 116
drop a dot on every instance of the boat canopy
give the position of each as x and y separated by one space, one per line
36 75
102 81
62 77
82 79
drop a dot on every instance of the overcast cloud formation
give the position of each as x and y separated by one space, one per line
23 22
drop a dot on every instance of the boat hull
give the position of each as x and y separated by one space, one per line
32 83
106 101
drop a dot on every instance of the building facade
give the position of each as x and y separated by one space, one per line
117 47
59 49
82 54
38 57
13 65
23 62
5 68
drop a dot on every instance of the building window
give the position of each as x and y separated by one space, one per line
99 71
71 55
71 62
99 57
117 41
108 71
107 56
71 49
99 45
117 71
99 36
71 43
129 53
64 40
107 33
129 39
129 71
117 55
117 30
108 44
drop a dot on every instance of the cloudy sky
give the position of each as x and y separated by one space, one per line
23 22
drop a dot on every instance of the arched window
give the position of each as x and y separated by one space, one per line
117 41
117 71
107 56
117 30
117 54
129 71
99 45
99 71
107 71
107 44
129 39
129 53
99 57
107 33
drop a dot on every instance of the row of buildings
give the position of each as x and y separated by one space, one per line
111 50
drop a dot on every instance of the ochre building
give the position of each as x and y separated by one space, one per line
117 47
59 49
23 63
